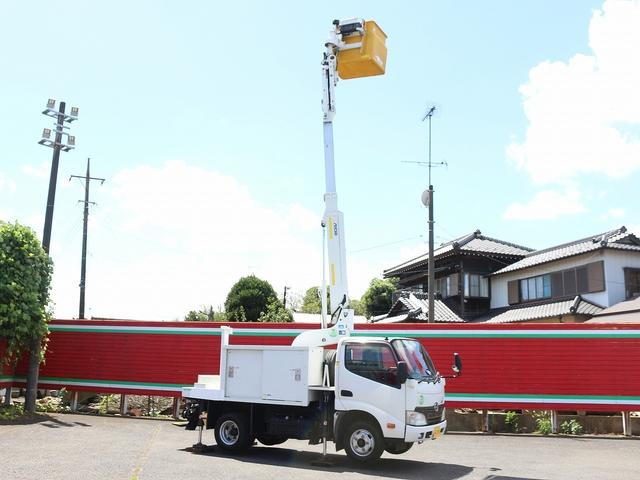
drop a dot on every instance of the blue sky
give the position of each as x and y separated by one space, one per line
205 119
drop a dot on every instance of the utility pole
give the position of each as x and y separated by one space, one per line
431 263
83 266
427 201
284 297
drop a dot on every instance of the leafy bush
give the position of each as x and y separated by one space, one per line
11 412
571 427
543 421
52 405
25 278
511 421
276 313
109 403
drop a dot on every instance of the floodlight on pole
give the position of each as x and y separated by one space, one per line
57 144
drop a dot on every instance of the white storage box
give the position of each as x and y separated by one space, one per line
272 374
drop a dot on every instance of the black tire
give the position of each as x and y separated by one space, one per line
267 439
232 432
363 441
398 448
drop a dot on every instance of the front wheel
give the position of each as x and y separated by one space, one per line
363 441
232 432
398 447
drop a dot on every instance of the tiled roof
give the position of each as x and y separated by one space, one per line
472 243
632 305
571 306
616 239
415 309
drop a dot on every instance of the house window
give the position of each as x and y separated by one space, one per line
535 288
447 286
631 282
587 278
475 285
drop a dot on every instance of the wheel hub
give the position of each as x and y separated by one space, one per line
229 432
362 442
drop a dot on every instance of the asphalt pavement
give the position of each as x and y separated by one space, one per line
86 447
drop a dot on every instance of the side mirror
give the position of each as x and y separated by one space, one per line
457 367
403 372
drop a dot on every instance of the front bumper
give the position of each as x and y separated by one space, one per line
419 434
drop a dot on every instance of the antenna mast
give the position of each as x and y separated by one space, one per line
429 204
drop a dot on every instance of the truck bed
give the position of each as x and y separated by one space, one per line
282 375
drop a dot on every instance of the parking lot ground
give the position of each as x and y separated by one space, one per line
89 447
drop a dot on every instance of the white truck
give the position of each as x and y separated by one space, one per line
366 395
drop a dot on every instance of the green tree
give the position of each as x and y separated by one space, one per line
377 299
276 313
248 298
357 306
311 300
25 281
205 314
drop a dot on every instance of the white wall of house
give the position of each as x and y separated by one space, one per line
614 263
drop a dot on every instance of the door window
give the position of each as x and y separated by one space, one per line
374 361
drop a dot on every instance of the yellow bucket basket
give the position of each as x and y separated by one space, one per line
368 60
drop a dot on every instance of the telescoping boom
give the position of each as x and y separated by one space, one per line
355 48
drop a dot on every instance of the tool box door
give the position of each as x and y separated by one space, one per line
285 376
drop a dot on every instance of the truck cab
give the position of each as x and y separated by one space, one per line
388 395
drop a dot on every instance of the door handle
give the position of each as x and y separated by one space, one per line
346 393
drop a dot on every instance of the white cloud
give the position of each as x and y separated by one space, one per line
178 236
546 205
614 213
584 114
6 183
39 171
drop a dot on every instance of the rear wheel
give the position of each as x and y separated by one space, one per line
363 441
232 432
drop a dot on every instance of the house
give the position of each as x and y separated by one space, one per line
462 267
414 307
569 282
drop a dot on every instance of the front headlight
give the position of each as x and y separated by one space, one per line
415 419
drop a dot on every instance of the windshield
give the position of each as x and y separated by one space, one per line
419 364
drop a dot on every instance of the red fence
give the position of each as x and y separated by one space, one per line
537 366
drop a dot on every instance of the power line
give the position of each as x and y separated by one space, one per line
395 242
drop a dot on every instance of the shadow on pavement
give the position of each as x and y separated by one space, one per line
385 467
500 477
30 419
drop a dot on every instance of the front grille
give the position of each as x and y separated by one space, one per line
433 416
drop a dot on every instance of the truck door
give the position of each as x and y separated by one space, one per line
367 379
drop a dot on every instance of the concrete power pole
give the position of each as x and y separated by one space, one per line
83 266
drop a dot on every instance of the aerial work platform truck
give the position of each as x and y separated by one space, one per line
367 395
